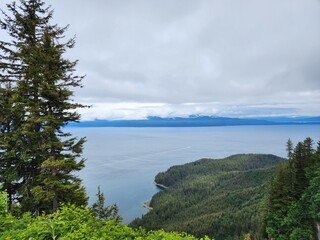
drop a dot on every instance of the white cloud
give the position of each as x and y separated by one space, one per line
218 55
136 110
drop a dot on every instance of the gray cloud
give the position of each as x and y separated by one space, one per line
214 54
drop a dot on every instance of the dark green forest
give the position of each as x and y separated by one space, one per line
263 196
219 198
292 204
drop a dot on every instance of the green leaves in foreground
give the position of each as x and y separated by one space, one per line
72 222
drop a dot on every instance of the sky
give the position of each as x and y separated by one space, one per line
171 58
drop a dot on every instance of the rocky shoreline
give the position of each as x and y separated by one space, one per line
146 204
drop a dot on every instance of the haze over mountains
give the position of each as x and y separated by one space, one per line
198 121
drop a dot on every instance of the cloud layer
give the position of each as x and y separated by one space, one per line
177 58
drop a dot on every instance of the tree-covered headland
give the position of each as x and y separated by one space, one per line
258 196
215 197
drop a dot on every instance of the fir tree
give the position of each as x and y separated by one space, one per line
37 80
298 166
10 166
289 149
100 211
292 206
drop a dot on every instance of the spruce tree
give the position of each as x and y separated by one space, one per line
37 81
289 149
298 167
10 143
100 211
292 206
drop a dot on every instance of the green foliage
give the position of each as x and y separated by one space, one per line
248 236
99 209
37 158
312 193
219 198
3 202
293 200
72 222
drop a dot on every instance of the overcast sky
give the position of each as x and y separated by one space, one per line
182 57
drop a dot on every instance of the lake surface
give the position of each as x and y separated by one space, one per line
124 161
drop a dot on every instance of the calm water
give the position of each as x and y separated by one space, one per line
124 161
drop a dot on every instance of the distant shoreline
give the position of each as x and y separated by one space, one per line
146 205
200 121
160 185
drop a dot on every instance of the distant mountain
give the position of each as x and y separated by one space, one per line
299 120
197 121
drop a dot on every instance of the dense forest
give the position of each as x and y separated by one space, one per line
241 194
219 198
292 205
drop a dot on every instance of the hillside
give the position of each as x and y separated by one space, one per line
218 198
291 208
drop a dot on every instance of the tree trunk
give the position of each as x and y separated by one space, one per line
55 204
318 230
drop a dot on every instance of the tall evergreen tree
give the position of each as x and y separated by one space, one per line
298 167
9 163
37 80
289 149
99 209
292 206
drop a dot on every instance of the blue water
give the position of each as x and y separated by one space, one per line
124 161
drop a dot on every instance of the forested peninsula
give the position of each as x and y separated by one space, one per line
247 195
215 197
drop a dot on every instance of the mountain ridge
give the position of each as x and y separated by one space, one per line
198 121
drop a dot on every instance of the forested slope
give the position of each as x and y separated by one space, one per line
292 204
219 198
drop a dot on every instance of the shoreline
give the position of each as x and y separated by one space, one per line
146 205
160 185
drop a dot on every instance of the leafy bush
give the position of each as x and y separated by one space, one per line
71 222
